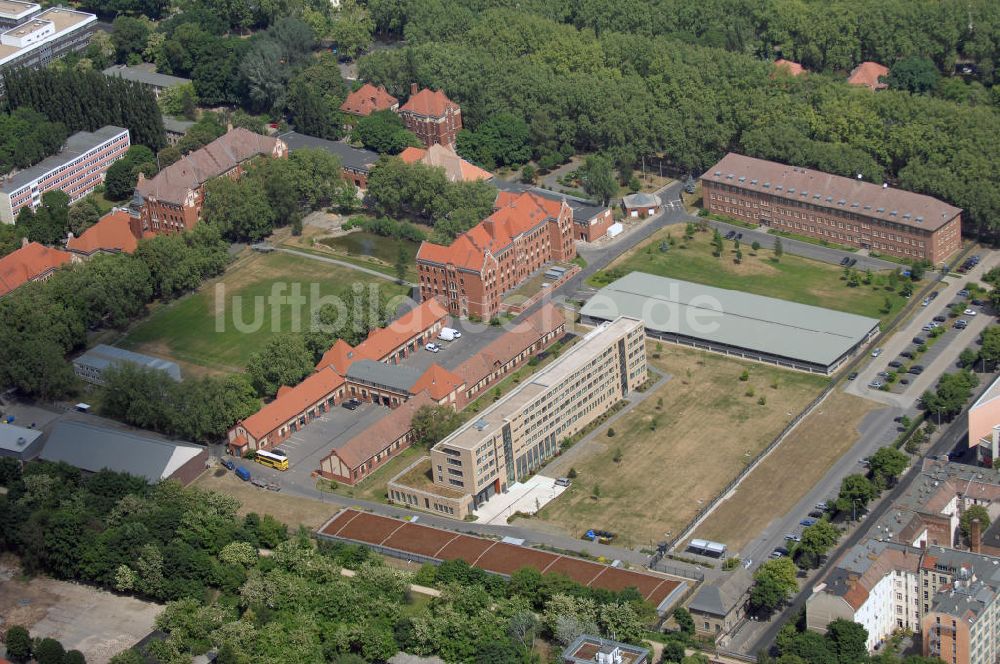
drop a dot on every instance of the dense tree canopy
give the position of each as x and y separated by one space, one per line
27 137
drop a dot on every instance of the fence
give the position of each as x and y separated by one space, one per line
657 564
886 331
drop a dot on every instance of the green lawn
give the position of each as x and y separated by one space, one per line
374 251
792 278
228 319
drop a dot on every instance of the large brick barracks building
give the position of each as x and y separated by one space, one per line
432 116
841 210
472 274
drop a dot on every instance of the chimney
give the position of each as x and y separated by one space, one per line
488 226
413 88
976 536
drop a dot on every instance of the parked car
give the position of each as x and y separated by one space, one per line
904 381
792 537
243 473
852 375
940 319
979 303
876 352
920 341
779 552
925 302
822 506
963 293
895 364
845 260
351 404
563 481
907 354
934 294
432 347
875 384
853 262
816 514
228 464
807 522
730 235
961 324
928 327
916 370
969 312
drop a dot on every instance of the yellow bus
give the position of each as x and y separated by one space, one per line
274 459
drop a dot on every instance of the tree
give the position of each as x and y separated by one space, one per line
990 350
284 360
179 100
811 647
383 132
352 30
120 180
239 209
774 582
886 465
503 140
849 641
915 74
74 657
128 35
817 539
432 424
684 621
128 657
598 178
779 249
970 513
49 651
18 643
673 651
856 491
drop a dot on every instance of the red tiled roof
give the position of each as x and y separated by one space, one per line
293 401
383 341
455 168
340 356
868 74
792 68
515 214
31 261
432 103
111 232
501 351
375 438
438 381
367 99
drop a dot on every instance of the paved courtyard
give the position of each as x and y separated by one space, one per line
527 497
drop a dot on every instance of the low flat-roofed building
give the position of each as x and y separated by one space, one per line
93 446
588 649
76 170
16 12
750 326
44 37
91 365
154 81
355 163
20 443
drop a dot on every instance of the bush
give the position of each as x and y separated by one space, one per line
572 473
745 376
749 392
762 401
18 643
611 432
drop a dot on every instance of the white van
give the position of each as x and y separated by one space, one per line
449 334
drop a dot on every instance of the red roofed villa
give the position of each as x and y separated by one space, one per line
367 100
32 262
112 234
472 274
455 168
789 67
432 116
870 75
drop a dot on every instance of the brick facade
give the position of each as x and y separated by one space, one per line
836 209
473 273
432 117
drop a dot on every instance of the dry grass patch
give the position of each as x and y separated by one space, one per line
290 510
789 472
679 447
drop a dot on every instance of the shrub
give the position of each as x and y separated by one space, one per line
745 376
749 392
762 401
611 432
572 473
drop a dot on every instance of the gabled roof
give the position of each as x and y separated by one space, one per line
356 159
432 103
721 597
868 74
111 233
384 340
547 319
515 215
438 382
375 438
340 356
641 199
190 172
293 401
140 75
367 99
789 67
31 261
455 168
583 209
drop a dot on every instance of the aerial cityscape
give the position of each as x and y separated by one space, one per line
470 331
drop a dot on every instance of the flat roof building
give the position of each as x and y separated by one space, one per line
76 170
154 81
43 37
750 326
91 365
832 208
15 12
20 443
515 436
588 649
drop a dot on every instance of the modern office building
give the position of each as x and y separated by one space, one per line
472 274
77 170
36 39
432 117
515 436
836 209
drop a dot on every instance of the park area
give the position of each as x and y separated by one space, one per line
199 331
791 278
811 449
678 448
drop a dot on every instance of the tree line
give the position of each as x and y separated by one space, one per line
87 101
189 547
629 94
27 137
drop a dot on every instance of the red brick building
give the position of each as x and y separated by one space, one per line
472 274
171 200
112 234
367 100
870 75
829 207
32 262
432 117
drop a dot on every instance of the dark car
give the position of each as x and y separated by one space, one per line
979 303
916 370
853 262
852 375
730 235
351 404
816 514
807 522
845 260
895 364
907 354
920 341
739 236
779 552
940 319
904 381
934 294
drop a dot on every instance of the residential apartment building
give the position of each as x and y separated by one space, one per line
472 274
171 201
836 209
515 436
36 39
432 117
32 262
76 170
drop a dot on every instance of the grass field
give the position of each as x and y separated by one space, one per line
811 450
290 510
199 329
792 278
676 456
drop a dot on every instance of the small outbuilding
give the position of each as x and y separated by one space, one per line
20 443
641 205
